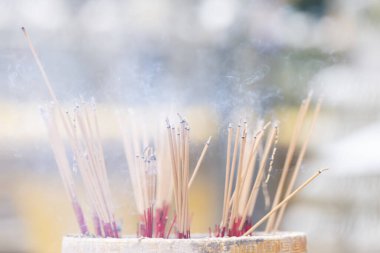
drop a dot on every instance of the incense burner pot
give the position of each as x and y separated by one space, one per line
281 242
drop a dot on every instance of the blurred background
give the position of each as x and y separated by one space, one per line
214 61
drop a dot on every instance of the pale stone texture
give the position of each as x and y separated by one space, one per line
259 243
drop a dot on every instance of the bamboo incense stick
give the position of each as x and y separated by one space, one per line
284 202
234 209
39 64
226 184
233 165
199 162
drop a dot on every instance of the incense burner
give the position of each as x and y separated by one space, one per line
281 242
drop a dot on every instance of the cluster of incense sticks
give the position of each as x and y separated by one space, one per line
246 167
239 205
64 168
179 154
89 158
150 175
159 168
82 131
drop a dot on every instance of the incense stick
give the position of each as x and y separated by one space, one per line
40 66
232 172
226 184
284 202
199 162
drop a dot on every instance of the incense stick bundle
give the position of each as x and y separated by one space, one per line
82 131
84 140
179 137
59 151
150 176
239 204
88 153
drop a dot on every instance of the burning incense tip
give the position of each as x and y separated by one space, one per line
167 123
182 120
